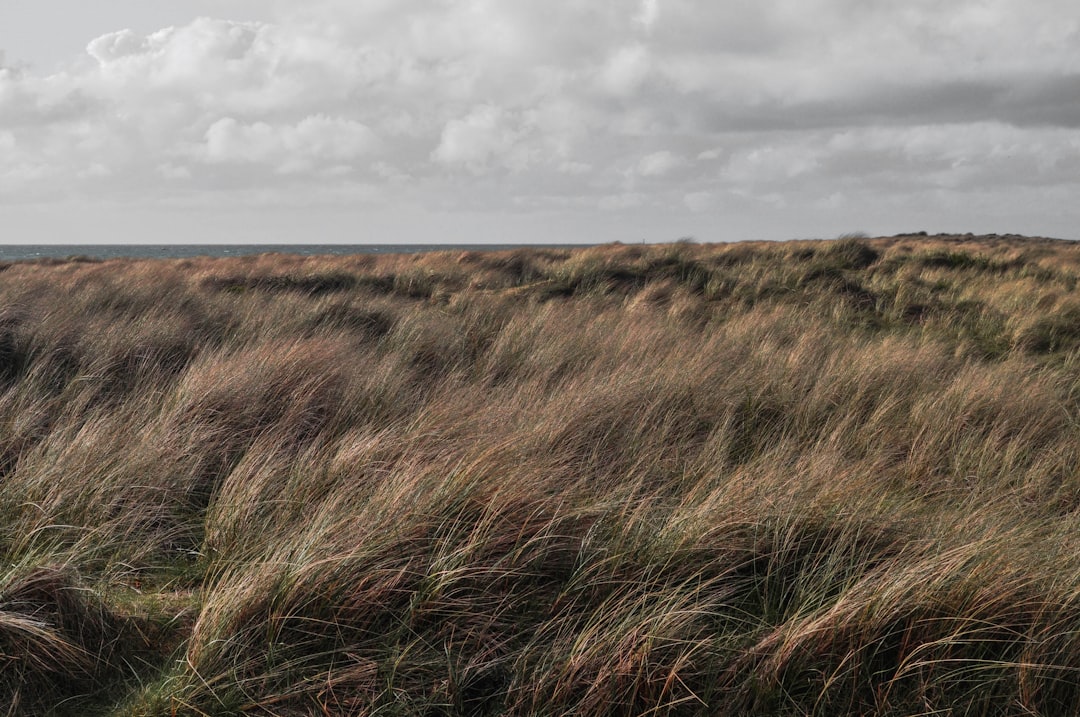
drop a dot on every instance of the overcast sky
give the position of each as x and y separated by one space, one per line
423 121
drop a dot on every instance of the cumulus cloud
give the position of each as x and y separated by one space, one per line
481 138
658 164
117 45
626 70
493 105
314 140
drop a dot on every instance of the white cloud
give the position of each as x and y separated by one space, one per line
114 46
95 171
315 140
617 202
482 138
174 171
658 164
699 201
626 70
648 12
770 163
496 104
575 168
19 178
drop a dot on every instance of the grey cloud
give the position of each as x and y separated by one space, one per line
515 105
29 101
1023 101
1044 101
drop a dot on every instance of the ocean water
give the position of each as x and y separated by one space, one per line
17 252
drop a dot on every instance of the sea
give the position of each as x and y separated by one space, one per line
22 252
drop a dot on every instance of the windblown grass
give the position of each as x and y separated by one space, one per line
800 478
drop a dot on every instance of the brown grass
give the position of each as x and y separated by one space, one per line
798 478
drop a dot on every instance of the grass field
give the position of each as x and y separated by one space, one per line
836 477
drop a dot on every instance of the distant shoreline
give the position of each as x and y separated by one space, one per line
22 252
25 252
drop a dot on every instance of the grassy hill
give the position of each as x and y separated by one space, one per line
817 477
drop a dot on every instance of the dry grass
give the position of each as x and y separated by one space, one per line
800 478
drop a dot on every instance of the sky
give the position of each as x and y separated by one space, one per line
521 121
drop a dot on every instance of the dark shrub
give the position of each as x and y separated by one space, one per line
369 323
314 285
850 253
1057 332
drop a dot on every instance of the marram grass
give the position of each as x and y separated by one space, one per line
805 478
